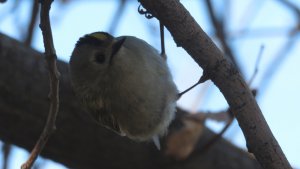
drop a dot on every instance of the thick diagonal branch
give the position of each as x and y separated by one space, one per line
188 34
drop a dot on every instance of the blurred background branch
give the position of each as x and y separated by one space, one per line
219 27
6 150
32 22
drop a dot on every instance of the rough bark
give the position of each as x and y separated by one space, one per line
78 142
188 34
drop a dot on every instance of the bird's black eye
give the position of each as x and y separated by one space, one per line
100 57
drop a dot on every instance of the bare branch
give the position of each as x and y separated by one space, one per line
118 14
6 148
220 32
262 47
51 58
188 34
32 23
274 66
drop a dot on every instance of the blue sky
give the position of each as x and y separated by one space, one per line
279 99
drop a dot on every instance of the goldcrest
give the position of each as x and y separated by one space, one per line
124 84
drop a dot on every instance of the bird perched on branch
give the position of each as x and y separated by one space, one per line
125 84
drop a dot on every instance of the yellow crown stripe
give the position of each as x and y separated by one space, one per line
99 36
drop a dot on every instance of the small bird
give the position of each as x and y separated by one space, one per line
125 85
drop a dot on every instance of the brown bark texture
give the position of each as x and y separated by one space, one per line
188 34
78 142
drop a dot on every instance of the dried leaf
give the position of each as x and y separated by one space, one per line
181 144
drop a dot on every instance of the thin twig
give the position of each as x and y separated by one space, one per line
282 54
117 17
219 135
274 66
220 32
162 41
6 148
51 58
32 23
262 47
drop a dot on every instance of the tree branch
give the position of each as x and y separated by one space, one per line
218 25
188 34
32 23
6 149
50 56
117 16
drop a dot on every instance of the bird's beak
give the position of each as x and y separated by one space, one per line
117 45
